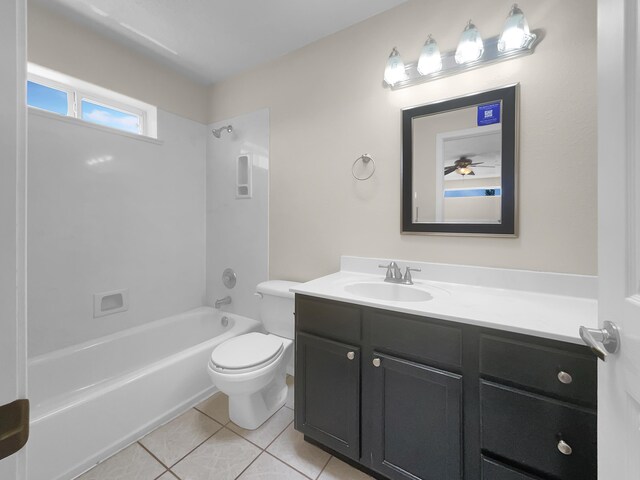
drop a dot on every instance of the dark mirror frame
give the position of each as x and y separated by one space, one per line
510 101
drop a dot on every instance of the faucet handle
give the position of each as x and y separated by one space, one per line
388 267
407 275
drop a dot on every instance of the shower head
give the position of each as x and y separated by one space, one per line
217 132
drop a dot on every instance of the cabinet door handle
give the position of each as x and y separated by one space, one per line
376 362
565 377
351 355
564 448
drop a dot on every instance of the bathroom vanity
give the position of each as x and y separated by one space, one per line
414 396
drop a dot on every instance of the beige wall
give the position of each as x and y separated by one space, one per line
328 107
60 44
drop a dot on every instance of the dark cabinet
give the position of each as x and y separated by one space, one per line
412 398
549 436
416 421
328 393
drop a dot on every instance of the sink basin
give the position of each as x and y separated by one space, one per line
391 292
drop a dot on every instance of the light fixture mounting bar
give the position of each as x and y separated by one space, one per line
450 67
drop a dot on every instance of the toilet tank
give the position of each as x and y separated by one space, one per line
276 307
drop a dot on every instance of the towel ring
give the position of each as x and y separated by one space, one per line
366 158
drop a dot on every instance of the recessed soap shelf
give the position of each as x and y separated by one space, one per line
244 166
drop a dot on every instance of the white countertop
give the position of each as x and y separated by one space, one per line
541 314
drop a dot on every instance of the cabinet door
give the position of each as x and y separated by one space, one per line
417 420
327 393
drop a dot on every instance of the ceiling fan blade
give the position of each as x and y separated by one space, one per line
448 170
471 173
477 163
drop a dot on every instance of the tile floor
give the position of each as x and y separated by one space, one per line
203 444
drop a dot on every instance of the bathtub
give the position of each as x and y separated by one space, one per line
90 400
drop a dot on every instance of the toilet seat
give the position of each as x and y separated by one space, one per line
246 353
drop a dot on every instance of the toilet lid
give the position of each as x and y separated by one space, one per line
246 351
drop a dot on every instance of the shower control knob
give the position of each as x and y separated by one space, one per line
351 355
376 362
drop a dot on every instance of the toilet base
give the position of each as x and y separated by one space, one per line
252 410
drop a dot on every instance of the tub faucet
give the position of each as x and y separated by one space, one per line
222 301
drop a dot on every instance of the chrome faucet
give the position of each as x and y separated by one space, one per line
394 274
222 301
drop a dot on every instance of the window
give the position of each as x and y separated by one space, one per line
111 117
63 95
47 98
473 192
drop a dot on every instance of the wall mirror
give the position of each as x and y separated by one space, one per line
459 165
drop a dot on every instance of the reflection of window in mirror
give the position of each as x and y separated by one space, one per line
457 151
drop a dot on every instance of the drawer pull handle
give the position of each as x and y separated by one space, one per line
351 355
565 378
564 448
376 362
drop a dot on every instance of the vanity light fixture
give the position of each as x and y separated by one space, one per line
395 71
516 40
471 47
515 33
430 60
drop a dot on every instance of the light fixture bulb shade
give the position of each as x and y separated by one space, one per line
515 33
394 71
471 47
430 60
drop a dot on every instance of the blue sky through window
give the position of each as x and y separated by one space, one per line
46 98
109 117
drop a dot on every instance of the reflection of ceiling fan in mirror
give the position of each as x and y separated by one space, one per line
462 166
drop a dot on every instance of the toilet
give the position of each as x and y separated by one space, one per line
252 368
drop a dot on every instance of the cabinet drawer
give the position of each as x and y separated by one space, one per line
492 470
325 318
565 374
417 338
527 429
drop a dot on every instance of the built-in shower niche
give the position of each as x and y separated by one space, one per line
244 164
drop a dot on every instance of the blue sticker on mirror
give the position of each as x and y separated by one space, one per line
488 114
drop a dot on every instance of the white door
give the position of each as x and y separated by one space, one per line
12 221
619 237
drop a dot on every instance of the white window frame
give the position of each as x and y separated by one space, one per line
78 90
47 82
141 114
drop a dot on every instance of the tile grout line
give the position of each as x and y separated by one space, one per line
189 452
209 416
245 438
278 436
194 449
325 467
251 463
290 466
151 453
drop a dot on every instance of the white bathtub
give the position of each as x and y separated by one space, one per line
90 400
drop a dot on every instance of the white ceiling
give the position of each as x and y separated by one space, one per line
482 149
213 39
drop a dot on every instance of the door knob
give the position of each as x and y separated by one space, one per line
376 362
351 355
602 341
